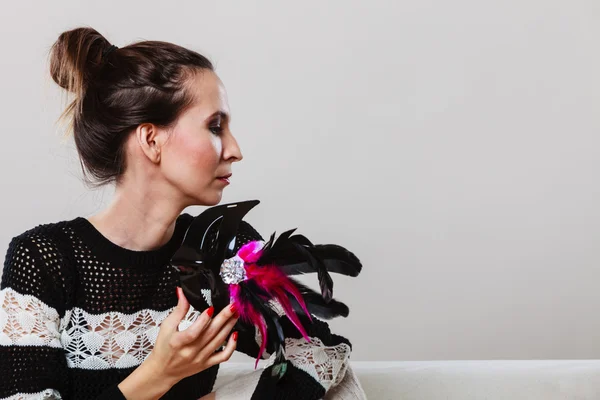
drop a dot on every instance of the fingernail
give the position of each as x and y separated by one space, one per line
210 311
234 335
177 290
232 308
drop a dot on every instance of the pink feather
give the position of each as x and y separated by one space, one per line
249 315
275 283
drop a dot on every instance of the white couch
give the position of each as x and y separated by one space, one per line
466 380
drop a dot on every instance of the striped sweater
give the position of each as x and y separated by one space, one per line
79 313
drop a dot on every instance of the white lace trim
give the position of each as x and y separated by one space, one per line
47 394
113 340
27 321
326 364
91 341
207 294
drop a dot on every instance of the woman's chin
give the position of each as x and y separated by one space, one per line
215 198
208 198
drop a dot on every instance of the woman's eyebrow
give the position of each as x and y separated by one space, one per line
221 114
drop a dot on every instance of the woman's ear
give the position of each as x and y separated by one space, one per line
151 140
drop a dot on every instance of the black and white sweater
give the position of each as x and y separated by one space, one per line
78 314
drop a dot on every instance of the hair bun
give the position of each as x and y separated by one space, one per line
76 56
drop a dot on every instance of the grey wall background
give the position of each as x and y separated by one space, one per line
453 146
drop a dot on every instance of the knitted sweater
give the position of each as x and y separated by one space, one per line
79 313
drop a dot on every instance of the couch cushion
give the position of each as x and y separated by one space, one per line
467 380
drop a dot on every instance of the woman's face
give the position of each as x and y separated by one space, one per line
201 147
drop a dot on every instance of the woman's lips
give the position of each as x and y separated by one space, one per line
225 178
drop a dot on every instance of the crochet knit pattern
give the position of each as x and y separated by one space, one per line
78 314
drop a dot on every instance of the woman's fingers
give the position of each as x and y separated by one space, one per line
210 346
222 356
198 326
173 320
218 322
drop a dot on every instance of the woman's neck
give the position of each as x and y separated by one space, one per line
137 220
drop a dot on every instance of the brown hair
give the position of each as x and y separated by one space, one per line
144 82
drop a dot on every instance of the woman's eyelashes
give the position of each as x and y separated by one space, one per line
216 129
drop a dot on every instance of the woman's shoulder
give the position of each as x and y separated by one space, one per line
52 232
43 235
40 249
33 265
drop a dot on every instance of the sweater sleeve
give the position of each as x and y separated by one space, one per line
33 364
313 367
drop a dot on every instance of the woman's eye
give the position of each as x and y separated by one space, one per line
216 130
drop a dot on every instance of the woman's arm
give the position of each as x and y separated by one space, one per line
348 389
316 371
32 302
33 362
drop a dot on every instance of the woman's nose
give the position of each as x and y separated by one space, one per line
232 149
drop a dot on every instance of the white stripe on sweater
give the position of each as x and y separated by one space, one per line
48 394
26 321
113 339
325 364
91 341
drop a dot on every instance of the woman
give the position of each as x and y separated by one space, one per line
89 307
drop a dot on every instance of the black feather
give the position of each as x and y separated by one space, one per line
325 281
291 249
295 254
316 305
336 259
283 238
282 248
257 297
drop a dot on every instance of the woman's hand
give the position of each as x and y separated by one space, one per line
180 354
177 355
